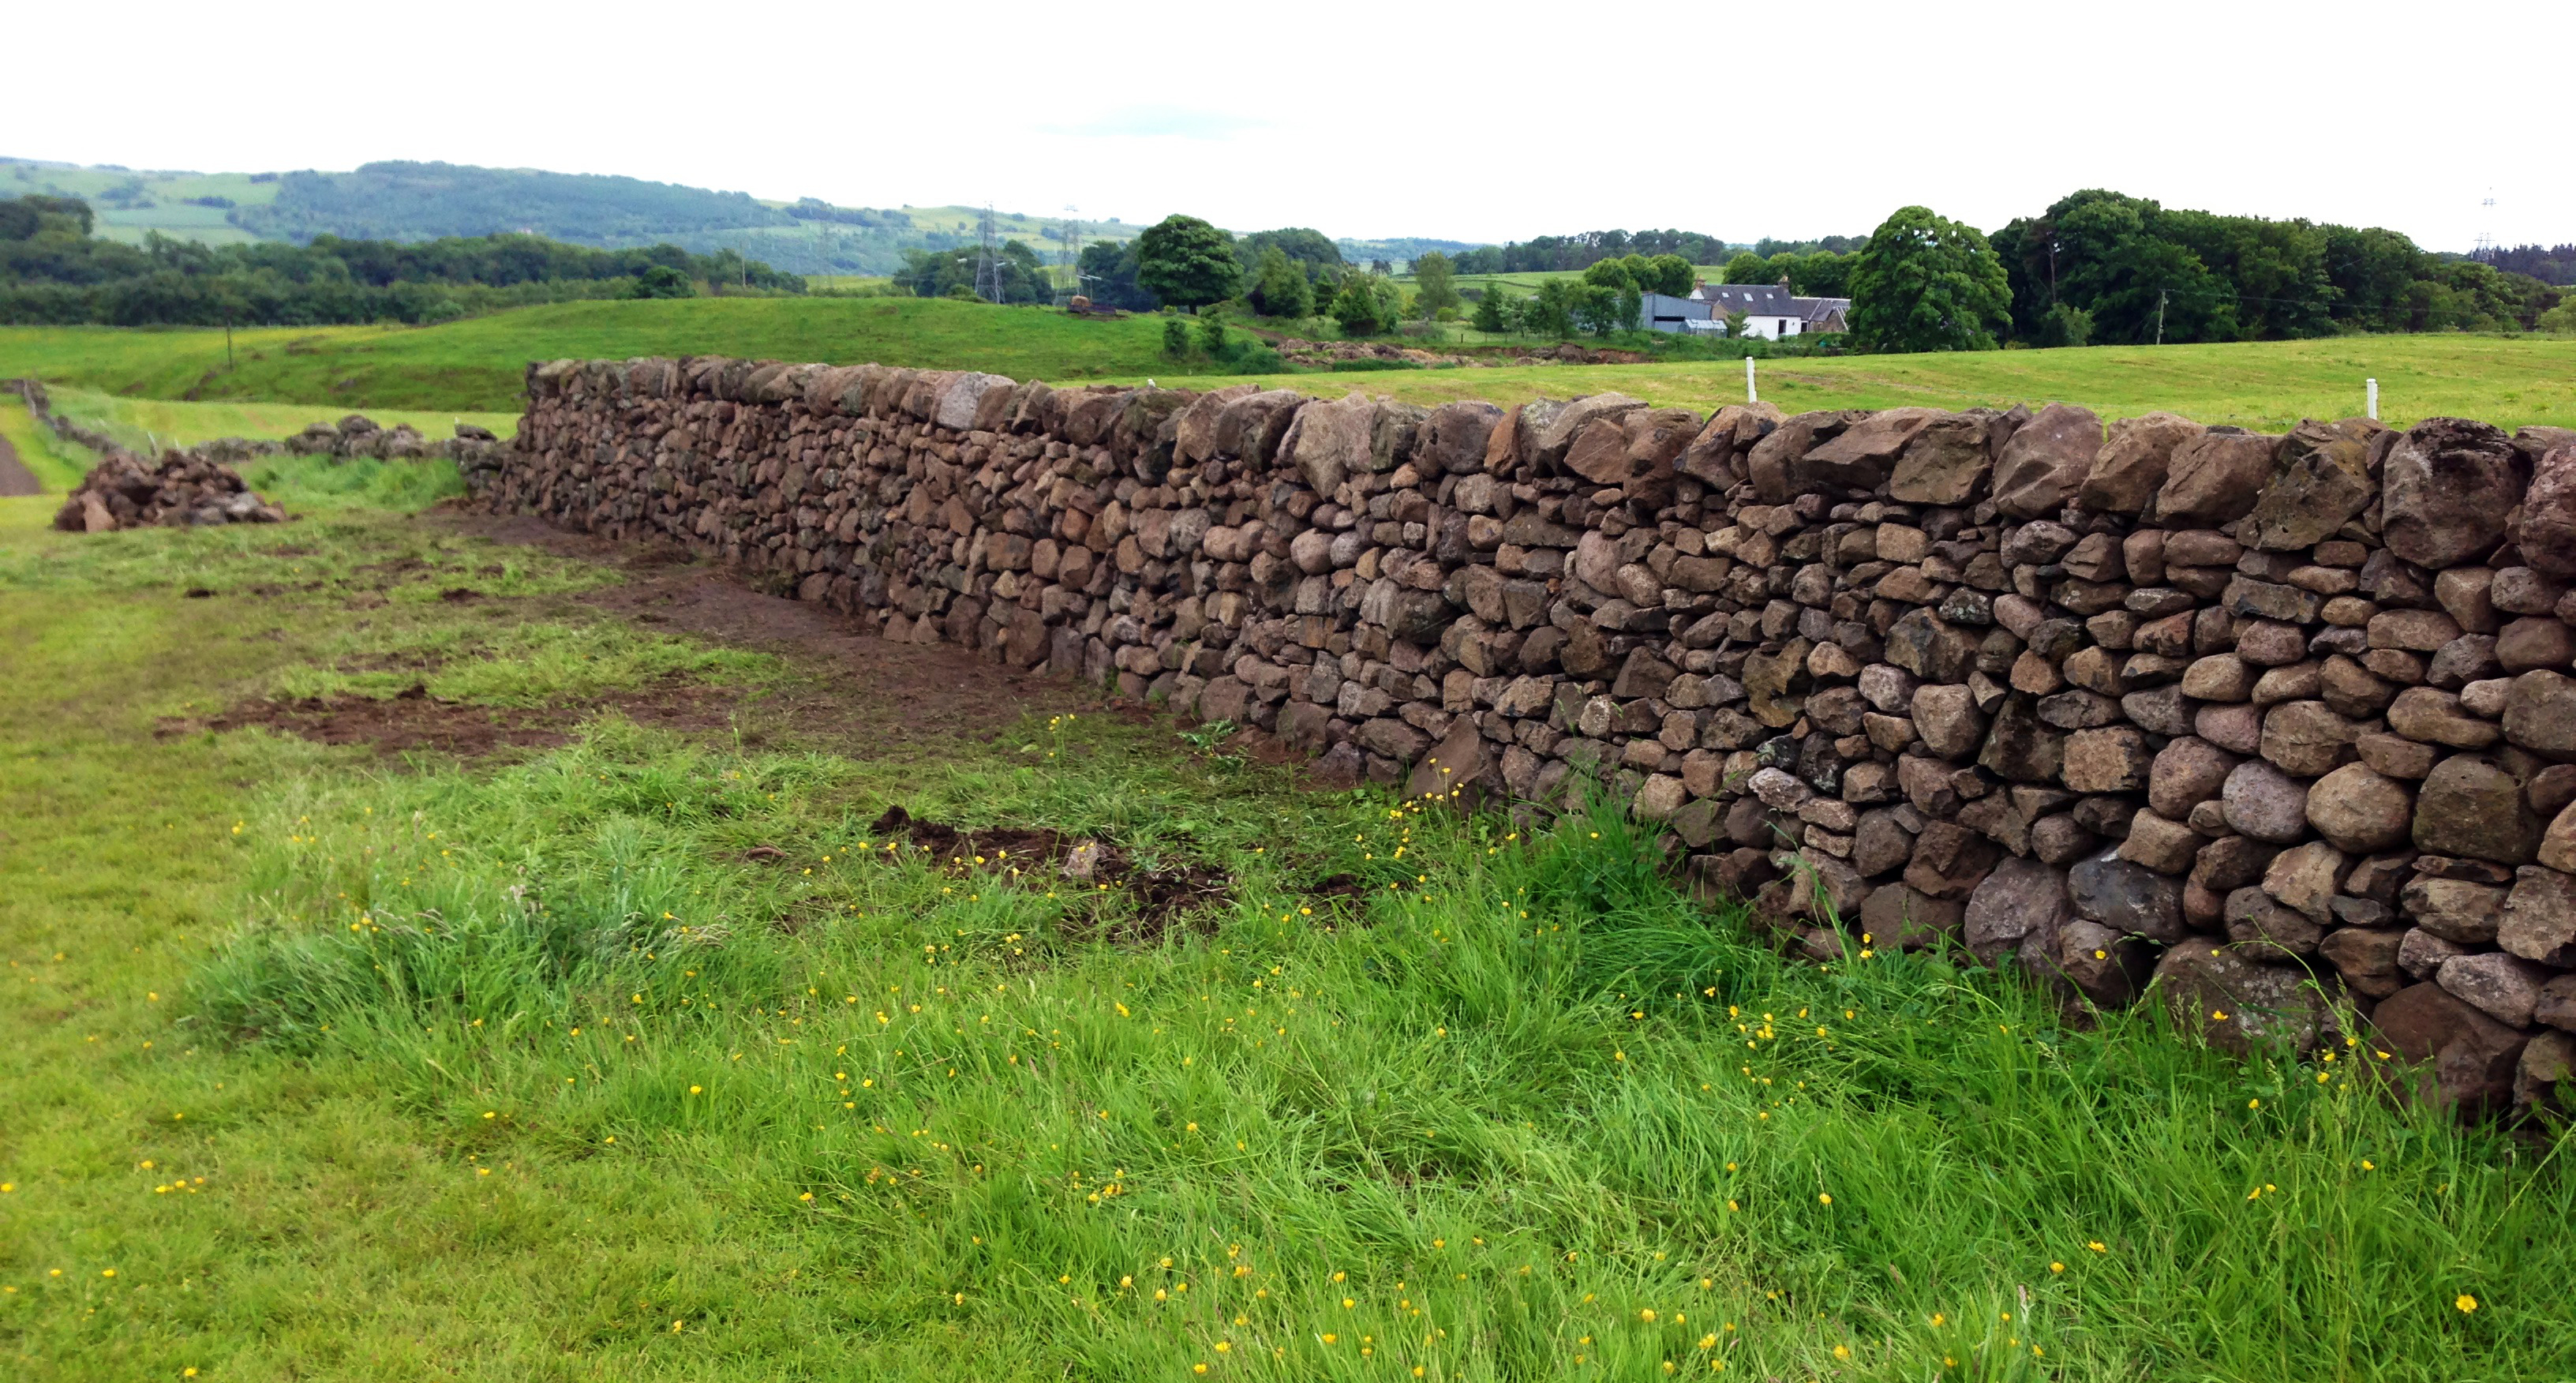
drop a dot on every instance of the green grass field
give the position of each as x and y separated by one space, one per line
644 1056
57 465
474 366
2508 381
141 422
477 365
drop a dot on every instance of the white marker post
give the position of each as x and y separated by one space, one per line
2373 386
1751 397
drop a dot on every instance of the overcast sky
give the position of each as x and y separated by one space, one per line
1473 122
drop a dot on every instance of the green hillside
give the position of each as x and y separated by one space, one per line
476 364
132 204
420 201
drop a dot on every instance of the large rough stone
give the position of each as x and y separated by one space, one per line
2304 878
1454 769
2214 479
2188 771
2133 463
1930 648
2540 917
1551 441
2320 481
2472 806
1947 719
2113 758
1600 454
2535 642
2268 932
2546 1071
2366 957
2503 987
2231 862
1772 461
2307 739
1454 438
2046 461
2430 716
1946 461
2540 714
2265 803
2159 843
2449 488
1896 917
2360 810
2461 1057
2021 899
2240 1006
2103 965
1864 456
1950 860
2456 910
2020 747
1331 438
2546 532
2127 898
2558 844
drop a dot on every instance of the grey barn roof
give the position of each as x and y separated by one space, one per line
1758 299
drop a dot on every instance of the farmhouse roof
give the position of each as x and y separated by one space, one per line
1756 299
1821 309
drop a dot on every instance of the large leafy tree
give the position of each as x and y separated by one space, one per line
1433 291
1550 312
1927 283
1280 288
1748 267
1186 262
1358 308
1670 275
1311 248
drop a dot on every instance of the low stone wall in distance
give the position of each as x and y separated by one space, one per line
2284 722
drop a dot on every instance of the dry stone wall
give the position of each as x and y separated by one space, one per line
2284 723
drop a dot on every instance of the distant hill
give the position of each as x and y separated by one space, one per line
1400 251
423 201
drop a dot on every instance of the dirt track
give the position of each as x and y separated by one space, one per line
15 478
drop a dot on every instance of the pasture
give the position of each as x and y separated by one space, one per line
474 367
476 364
2509 381
579 1017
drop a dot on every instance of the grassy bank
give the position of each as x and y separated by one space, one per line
476 365
642 1055
142 422
57 465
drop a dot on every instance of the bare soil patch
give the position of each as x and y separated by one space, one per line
862 691
414 720
1155 900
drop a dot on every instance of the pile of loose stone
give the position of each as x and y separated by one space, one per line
2283 722
184 488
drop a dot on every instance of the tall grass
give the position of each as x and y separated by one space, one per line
1519 1111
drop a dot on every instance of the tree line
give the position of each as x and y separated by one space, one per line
2099 267
54 271
1559 253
